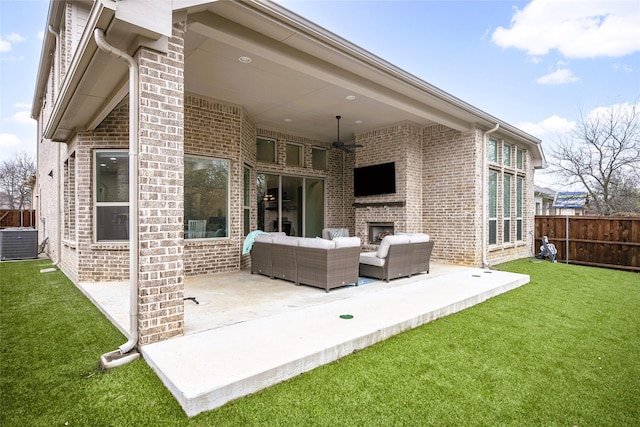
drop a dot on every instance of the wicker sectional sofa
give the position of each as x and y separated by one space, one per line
401 255
322 263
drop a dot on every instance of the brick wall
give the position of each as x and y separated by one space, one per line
161 172
215 129
452 176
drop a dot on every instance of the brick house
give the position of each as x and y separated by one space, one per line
214 118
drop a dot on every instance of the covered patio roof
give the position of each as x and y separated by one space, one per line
289 74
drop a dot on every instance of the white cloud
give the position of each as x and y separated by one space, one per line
558 77
15 38
23 118
5 46
8 140
7 40
623 67
554 125
577 29
603 113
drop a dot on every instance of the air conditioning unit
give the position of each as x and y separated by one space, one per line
18 243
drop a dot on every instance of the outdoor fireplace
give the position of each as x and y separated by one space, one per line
378 231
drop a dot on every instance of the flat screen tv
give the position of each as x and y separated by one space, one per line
374 179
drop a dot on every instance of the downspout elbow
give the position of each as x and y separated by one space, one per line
115 358
485 196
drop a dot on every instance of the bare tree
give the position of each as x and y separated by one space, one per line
15 192
603 154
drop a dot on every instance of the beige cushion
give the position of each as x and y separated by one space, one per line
265 238
370 258
310 242
418 237
383 249
286 240
346 242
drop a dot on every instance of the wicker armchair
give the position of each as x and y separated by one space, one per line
397 256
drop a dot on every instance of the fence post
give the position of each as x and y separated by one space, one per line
566 236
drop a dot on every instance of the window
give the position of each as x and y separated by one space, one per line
493 207
206 197
70 197
493 151
519 187
506 155
291 204
319 158
246 197
506 208
520 158
294 154
111 184
266 150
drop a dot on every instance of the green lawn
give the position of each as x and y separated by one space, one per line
562 350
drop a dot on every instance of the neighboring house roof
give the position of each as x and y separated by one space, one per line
544 191
570 200
296 83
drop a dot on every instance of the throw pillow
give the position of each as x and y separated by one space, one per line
336 232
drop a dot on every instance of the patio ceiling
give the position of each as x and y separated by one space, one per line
299 78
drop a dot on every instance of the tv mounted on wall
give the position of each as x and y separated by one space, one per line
374 179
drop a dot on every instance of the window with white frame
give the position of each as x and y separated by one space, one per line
246 197
319 158
111 192
493 207
493 150
506 192
506 154
520 158
266 150
206 197
294 154
519 201
506 207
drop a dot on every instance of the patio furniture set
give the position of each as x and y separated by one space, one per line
336 259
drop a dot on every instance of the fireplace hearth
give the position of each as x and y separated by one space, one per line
379 230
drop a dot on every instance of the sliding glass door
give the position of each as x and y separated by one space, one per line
292 204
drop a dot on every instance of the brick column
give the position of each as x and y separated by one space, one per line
161 204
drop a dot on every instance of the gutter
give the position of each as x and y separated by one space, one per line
124 353
485 196
56 84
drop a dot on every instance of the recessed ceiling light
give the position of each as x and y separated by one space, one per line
244 59
350 97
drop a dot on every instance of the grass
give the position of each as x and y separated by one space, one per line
562 350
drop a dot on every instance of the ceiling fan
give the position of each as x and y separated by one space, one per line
341 145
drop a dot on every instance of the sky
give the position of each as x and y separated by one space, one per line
538 65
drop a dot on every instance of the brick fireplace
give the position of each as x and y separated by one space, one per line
378 230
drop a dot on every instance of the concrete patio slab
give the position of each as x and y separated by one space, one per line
249 332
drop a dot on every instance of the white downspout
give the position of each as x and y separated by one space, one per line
485 195
120 357
56 88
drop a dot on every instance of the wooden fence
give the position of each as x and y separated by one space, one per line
596 241
11 218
